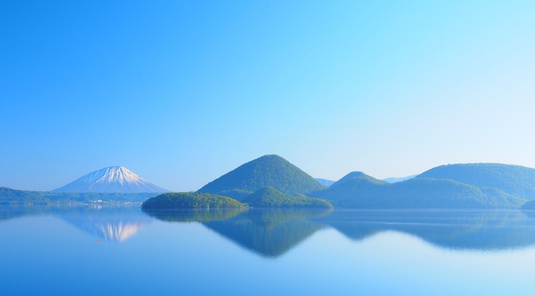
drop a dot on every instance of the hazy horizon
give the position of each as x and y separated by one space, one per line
182 93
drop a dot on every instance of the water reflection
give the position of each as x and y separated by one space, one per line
107 224
269 233
114 224
476 230
272 233
201 215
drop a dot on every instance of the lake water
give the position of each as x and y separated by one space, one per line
124 251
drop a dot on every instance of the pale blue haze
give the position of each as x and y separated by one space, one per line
181 92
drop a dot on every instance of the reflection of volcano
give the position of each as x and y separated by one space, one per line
478 230
109 224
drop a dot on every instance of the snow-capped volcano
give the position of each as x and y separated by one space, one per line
117 179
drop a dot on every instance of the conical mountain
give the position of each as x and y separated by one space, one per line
268 170
117 179
359 176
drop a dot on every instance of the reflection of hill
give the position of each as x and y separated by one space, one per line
529 213
480 230
109 224
269 233
193 215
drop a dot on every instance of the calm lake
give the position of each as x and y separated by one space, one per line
125 251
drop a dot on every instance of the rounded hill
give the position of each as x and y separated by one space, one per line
511 179
268 170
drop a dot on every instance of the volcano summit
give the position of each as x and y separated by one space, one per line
117 179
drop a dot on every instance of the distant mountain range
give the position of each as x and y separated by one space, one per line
272 181
10 196
459 186
511 179
358 190
325 182
401 179
328 183
116 179
112 184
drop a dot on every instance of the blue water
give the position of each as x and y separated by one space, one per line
124 251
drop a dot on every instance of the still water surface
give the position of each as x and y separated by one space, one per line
124 251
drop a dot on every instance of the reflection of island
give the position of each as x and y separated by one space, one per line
108 224
477 230
193 215
269 233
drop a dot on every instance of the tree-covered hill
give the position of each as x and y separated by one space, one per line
10 196
512 179
268 170
188 200
269 197
359 176
364 192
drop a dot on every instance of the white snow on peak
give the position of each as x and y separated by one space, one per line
115 179
115 174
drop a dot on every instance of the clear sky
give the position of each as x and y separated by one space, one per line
181 92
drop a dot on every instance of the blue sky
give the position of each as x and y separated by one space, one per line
183 92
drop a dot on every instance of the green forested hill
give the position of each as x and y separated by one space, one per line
512 179
363 192
359 176
10 196
269 197
268 170
188 200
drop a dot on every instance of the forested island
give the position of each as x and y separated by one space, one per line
190 200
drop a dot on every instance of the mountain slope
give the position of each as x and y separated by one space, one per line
268 170
365 192
512 179
116 179
359 176
269 197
